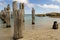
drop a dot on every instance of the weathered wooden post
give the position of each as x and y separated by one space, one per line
4 11
22 7
0 14
16 22
33 16
2 18
55 25
20 23
8 16
5 15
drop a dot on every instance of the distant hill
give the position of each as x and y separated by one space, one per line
53 14
40 15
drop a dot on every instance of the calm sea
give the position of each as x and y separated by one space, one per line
39 21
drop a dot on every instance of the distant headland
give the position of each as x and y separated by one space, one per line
51 14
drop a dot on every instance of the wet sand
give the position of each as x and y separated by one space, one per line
32 32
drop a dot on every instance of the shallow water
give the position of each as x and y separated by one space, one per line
39 21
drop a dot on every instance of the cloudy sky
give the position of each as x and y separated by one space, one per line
40 6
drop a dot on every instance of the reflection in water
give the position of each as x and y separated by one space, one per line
33 26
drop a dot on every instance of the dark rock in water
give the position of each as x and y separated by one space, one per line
55 25
8 26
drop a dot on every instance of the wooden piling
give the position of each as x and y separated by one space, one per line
3 16
33 16
20 23
17 22
8 16
22 7
15 10
0 14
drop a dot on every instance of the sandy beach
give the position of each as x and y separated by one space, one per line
33 33
29 20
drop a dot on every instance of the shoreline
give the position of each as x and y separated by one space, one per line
42 30
42 33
